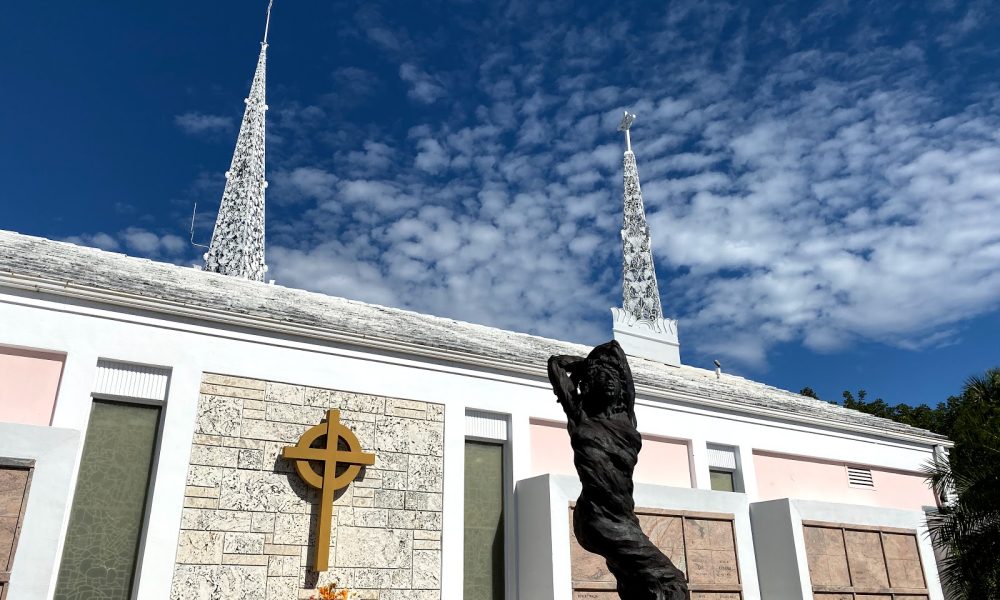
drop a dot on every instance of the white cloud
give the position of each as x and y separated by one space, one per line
145 242
423 87
303 183
95 240
819 194
138 241
431 156
195 123
375 157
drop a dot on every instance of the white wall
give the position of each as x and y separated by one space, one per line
87 332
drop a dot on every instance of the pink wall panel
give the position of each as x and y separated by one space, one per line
782 476
29 380
661 462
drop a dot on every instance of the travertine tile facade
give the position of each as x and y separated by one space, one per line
249 522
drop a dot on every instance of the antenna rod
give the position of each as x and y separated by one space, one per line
267 24
193 212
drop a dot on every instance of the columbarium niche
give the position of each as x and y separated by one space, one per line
703 545
850 562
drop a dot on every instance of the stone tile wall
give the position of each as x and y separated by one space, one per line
248 525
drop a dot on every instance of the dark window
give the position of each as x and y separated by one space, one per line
484 545
722 480
109 507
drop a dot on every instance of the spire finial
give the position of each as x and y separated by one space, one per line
267 23
625 125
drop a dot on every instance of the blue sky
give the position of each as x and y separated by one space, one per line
822 179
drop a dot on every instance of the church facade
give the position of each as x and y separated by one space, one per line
150 405
185 433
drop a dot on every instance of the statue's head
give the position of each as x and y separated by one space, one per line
605 382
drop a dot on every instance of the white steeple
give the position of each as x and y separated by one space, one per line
237 246
639 325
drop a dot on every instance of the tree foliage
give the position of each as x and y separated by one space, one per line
968 527
939 419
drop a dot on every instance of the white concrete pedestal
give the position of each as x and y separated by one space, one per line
654 340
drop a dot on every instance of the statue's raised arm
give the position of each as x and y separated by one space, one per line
561 370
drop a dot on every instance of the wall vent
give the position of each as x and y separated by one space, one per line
129 380
721 457
485 425
860 477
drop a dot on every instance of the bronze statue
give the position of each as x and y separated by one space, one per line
598 396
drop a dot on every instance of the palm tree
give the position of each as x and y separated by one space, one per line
967 527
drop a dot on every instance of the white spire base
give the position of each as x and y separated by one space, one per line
651 339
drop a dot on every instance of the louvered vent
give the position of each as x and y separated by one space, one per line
485 425
722 457
860 477
131 381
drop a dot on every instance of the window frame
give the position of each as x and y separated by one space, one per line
735 471
720 470
161 406
509 504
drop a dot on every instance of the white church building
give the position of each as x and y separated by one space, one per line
146 409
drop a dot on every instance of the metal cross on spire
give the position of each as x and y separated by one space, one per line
237 246
267 22
625 125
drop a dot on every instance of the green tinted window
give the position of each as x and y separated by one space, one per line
722 481
484 568
102 542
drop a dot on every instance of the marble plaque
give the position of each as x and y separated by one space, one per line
711 551
903 561
827 556
864 555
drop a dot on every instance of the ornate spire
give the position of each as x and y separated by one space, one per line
640 295
639 325
237 246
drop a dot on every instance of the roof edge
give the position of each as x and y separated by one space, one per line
70 290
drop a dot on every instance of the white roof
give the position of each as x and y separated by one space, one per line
66 269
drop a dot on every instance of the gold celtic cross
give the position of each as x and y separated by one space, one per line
330 481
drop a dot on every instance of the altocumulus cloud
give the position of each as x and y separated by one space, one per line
811 173
139 242
796 193
195 123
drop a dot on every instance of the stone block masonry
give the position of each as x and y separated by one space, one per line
249 522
